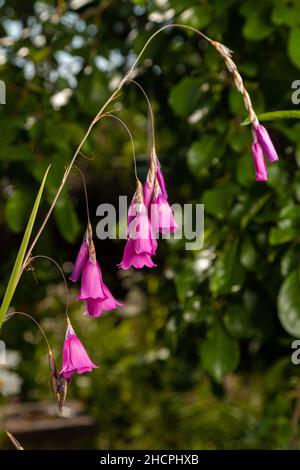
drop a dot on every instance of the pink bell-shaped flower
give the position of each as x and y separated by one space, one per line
93 290
95 307
75 358
91 281
82 257
141 243
259 162
266 143
161 180
162 216
148 191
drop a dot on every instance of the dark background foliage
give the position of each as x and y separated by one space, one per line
200 357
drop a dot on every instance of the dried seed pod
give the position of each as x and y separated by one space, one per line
53 382
61 391
52 364
14 441
53 370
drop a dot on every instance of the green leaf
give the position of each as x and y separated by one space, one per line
197 16
201 153
276 376
290 215
254 209
238 140
273 115
282 235
256 25
245 170
15 153
16 209
279 180
228 275
66 218
290 260
16 272
238 321
286 12
184 96
293 46
219 353
288 225
217 202
289 304
236 103
185 281
248 255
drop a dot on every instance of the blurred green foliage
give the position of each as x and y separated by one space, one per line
200 356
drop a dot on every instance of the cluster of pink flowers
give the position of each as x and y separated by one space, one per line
149 213
262 146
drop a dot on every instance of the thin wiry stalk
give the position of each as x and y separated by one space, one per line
151 114
84 156
52 365
131 139
223 50
61 272
12 314
75 167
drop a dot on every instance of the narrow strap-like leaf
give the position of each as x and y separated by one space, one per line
273 115
15 275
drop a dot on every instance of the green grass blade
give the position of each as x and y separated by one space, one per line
273 115
14 278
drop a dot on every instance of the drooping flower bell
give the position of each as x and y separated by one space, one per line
95 307
265 141
259 162
75 358
141 243
83 255
262 145
81 259
93 290
91 278
161 180
162 217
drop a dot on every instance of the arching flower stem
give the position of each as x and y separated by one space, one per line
223 50
151 114
12 314
130 136
85 194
